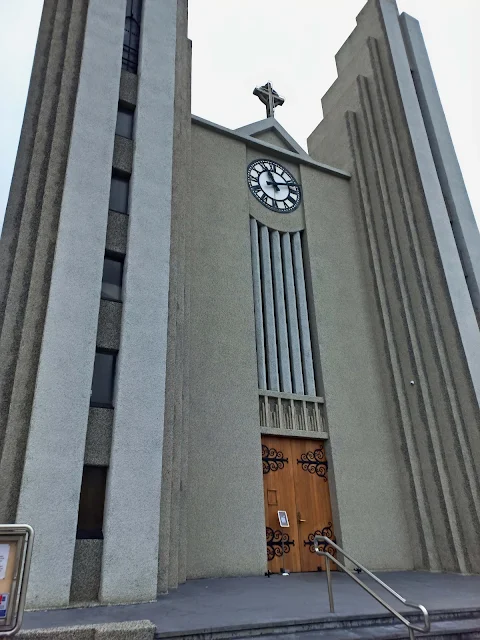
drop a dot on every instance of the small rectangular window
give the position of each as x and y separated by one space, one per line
103 379
131 36
112 279
92 502
119 189
124 122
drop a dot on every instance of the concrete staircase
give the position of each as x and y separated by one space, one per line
451 624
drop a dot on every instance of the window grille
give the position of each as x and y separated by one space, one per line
282 328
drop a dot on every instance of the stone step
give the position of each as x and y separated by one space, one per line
451 624
449 630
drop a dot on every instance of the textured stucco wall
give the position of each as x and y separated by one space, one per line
117 230
40 202
134 479
86 571
56 443
460 211
99 436
365 482
426 324
273 138
226 534
16 200
173 530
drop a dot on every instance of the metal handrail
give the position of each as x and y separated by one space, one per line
328 556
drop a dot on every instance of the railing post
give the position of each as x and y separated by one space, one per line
329 584
411 634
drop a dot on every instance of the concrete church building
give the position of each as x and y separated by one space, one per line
200 327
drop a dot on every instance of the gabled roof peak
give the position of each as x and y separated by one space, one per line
280 137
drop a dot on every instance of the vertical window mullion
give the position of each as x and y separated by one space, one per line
303 319
269 311
257 295
293 330
280 314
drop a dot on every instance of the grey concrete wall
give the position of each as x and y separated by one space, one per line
365 483
99 436
374 126
128 87
16 199
86 569
465 229
40 200
273 138
109 323
226 534
56 442
134 479
173 530
454 276
123 155
117 230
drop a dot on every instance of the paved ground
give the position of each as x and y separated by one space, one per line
203 604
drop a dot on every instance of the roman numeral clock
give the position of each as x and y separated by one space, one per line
273 186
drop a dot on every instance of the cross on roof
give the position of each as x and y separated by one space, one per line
269 97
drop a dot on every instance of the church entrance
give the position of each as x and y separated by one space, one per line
295 481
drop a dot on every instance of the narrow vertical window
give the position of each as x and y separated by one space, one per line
103 379
124 126
131 37
112 278
282 326
92 502
119 190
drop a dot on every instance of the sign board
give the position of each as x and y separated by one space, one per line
283 519
15 555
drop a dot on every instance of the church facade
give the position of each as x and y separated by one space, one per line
202 328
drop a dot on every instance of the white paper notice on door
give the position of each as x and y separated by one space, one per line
4 553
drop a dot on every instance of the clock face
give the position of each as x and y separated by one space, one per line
274 186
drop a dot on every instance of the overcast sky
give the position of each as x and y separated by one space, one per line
238 44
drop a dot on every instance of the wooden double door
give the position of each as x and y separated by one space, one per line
295 480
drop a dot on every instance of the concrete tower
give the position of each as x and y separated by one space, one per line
59 226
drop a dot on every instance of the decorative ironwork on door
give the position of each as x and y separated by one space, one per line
315 462
278 543
326 531
272 459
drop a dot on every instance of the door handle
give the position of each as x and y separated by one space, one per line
299 517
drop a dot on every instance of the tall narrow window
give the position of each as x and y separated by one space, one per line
119 190
285 359
92 501
103 379
282 326
131 37
124 126
112 278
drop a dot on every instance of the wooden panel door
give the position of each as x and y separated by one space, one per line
312 496
279 495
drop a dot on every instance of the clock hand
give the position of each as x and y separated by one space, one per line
272 183
293 185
